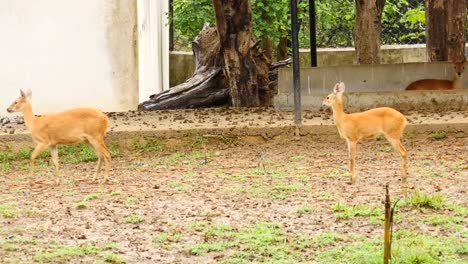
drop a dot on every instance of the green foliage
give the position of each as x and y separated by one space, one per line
403 21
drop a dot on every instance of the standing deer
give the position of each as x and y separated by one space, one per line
68 127
436 84
367 125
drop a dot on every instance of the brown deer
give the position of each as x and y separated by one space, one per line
436 84
366 125
68 127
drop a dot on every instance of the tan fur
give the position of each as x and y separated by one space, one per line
68 127
367 125
436 84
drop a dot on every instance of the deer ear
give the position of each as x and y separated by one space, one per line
339 88
26 94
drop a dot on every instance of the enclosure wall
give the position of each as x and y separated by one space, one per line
69 53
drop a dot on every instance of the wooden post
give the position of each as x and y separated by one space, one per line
387 253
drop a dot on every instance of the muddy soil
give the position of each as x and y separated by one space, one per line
237 181
168 186
228 118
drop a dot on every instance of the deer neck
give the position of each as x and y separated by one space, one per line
28 116
338 111
457 81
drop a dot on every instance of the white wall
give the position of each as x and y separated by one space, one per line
153 47
62 50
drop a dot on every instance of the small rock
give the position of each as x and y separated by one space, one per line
5 120
19 120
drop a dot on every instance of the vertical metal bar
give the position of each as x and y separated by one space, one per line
171 25
295 55
313 34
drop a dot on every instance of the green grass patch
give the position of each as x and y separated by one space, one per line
132 200
343 211
438 135
81 205
305 210
407 247
62 253
6 155
424 200
177 186
9 210
147 145
297 158
446 221
134 219
167 237
91 196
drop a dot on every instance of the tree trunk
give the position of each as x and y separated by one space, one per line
367 31
243 76
445 30
207 86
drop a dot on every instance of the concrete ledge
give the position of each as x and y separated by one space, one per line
401 100
365 78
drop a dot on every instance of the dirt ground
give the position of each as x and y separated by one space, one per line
195 199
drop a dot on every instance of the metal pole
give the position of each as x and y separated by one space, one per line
313 34
171 25
295 55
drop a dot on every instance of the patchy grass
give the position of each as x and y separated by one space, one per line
81 205
62 253
423 200
134 219
177 186
446 221
305 210
167 237
132 200
147 145
91 196
343 211
439 135
9 210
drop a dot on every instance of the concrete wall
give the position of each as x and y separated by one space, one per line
389 80
182 65
365 78
69 53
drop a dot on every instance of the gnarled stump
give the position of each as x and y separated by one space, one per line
207 86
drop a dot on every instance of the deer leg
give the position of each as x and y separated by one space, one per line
55 160
107 159
396 143
103 154
37 151
352 159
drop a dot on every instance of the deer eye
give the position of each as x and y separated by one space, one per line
328 97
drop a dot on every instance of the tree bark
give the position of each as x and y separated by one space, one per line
207 86
243 76
445 30
367 31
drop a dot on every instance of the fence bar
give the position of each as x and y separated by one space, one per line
171 25
313 34
295 55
